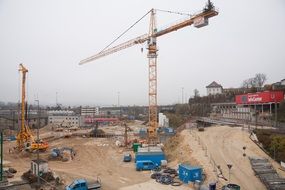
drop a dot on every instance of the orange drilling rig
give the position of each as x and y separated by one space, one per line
25 137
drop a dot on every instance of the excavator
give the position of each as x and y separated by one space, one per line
25 138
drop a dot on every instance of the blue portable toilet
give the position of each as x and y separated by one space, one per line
189 173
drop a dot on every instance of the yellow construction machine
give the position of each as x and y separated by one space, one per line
25 137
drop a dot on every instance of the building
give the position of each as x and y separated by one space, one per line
89 111
60 112
249 107
64 121
261 101
214 88
10 119
231 110
89 121
279 85
163 121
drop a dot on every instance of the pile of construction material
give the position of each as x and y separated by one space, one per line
267 174
167 176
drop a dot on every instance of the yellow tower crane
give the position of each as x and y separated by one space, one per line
25 138
199 20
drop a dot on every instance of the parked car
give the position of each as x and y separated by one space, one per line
146 165
82 184
127 157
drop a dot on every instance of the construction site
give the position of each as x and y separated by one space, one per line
194 145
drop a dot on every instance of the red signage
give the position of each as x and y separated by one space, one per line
260 97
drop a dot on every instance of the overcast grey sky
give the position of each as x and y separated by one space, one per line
50 37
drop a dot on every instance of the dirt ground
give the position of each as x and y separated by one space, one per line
100 157
95 157
224 145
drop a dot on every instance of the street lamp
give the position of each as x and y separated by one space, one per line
182 91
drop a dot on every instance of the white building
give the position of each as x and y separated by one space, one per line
64 121
163 121
60 112
282 82
214 88
89 111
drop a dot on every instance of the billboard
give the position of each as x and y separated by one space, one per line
260 97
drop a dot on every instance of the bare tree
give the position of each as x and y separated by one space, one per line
196 93
255 83
246 84
249 83
260 79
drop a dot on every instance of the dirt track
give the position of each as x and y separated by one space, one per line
225 146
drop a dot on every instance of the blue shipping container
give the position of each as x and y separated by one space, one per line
155 157
189 173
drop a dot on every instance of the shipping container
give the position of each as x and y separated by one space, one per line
260 97
189 173
154 154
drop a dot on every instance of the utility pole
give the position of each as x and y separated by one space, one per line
38 141
182 93
275 112
56 99
13 117
119 103
118 99
1 167
255 111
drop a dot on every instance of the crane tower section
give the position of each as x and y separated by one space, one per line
152 61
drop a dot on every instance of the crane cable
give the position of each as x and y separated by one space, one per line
173 12
125 31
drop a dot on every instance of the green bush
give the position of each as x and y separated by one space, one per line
273 142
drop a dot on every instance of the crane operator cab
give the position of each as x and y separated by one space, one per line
152 48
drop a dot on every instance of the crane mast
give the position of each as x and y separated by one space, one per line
24 134
152 74
25 138
198 20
